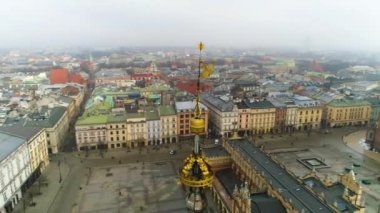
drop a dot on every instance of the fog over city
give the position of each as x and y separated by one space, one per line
296 24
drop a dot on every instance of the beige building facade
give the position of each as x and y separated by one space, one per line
168 124
345 112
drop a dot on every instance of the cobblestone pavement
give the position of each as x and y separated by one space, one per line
134 187
79 170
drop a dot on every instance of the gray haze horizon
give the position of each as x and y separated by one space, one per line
306 25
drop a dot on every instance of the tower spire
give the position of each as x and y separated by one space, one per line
195 173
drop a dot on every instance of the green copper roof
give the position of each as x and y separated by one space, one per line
92 119
347 103
136 115
166 110
117 118
375 102
151 114
109 101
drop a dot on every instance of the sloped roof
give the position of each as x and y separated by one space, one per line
218 103
8 144
22 132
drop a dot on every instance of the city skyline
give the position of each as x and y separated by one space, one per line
301 25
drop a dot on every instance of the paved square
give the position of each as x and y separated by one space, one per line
135 187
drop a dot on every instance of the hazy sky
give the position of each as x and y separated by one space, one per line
304 24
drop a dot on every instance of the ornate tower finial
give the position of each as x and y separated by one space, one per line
196 174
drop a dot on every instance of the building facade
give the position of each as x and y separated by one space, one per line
185 111
375 111
309 113
263 116
245 126
346 112
223 114
153 123
168 124
136 130
56 129
14 170
116 131
91 132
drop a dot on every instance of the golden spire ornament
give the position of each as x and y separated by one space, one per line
195 174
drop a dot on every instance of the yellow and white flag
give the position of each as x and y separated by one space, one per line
207 70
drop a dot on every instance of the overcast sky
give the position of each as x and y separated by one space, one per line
301 24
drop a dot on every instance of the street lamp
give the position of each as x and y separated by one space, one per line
59 169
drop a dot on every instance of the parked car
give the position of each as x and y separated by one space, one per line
172 152
366 182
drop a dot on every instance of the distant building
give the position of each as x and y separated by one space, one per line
168 124
263 115
347 112
375 110
309 113
191 86
152 125
224 114
59 76
63 76
54 120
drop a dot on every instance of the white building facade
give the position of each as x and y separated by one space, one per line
14 170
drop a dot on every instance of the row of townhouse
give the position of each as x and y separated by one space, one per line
54 120
152 125
25 145
23 157
282 113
